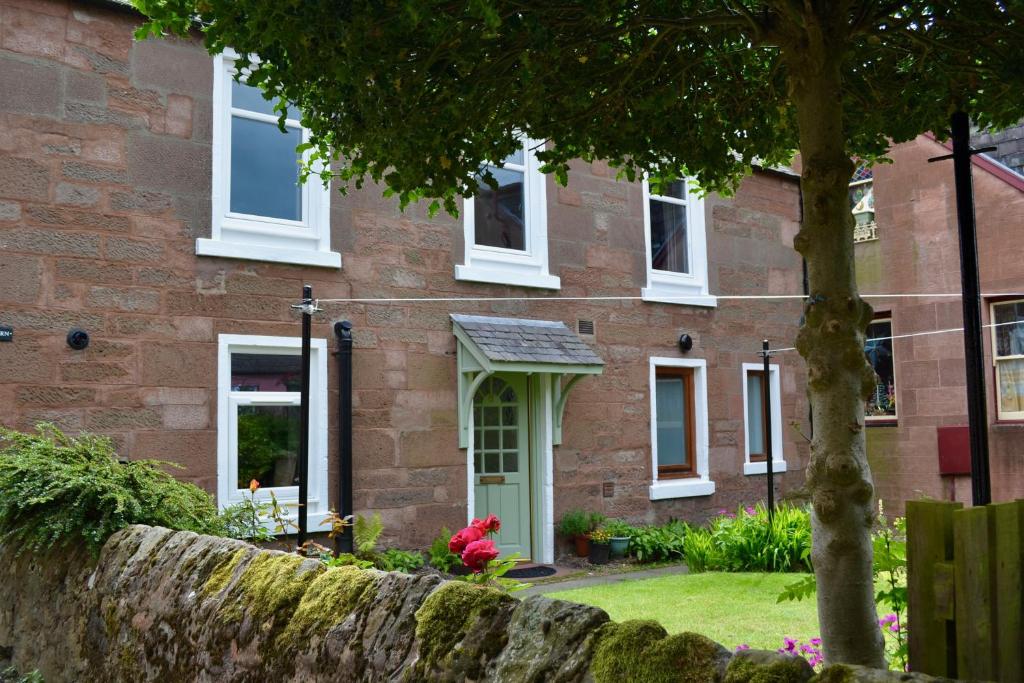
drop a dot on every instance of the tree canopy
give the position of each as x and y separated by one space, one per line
418 94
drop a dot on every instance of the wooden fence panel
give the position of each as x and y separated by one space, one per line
972 561
929 553
1005 533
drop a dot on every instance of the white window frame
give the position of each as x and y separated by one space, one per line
778 452
228 402
496 265
1009 416
261 238
700 485
691 288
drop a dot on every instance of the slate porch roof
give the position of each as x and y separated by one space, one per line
528 341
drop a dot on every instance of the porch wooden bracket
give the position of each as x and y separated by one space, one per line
560 394
472 383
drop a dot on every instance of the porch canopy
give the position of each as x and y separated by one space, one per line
487 345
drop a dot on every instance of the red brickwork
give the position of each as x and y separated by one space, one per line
917 251
105 159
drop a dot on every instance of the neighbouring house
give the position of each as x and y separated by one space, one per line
908 244
150 201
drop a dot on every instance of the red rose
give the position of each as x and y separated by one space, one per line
463 538
478 553
490 525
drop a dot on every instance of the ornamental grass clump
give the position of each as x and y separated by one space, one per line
747 542
62 491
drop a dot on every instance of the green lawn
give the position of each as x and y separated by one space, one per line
730 608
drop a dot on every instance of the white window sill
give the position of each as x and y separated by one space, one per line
750 468
681 488
499 276
256 252
671 296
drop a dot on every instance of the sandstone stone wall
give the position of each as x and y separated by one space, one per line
168 606
105 165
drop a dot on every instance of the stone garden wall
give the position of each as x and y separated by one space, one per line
172 606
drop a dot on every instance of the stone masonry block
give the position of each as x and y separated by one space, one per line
124 298
29 88
20 278
50 242
180 365
22 178
172 165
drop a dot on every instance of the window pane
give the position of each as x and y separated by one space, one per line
1009 338
515 157
491 439
265 372
509 439
250 98
492 462
1011 385
265 170
755 414
268 445
676 189
499 215
669 249
878 349
671 421
510 462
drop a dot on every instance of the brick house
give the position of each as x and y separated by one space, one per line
910 245
147 199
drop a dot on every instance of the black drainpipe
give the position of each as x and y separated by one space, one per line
343 331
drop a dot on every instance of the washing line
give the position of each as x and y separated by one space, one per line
916 334
686 298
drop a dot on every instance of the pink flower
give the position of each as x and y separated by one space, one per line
744 646
816 642
478 553
790 644
463 538
489 525
751 510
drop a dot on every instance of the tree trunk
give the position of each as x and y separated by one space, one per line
831 340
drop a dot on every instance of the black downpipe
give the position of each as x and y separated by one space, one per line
343 331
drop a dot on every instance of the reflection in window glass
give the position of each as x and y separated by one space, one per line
1009 355
669 244
268 442
755 416
671 422
878 349
250 98
265 170
265 372
499 219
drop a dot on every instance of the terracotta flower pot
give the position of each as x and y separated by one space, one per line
582 546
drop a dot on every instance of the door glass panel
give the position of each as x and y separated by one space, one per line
509 416
509 439
491 416
671 418
268 443
491 462
510 462
491 439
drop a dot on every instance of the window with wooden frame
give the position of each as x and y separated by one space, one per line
1008 358
878 347
676 435
757 417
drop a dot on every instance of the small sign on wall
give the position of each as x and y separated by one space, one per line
6 333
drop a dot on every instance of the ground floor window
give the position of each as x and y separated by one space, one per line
758 420
258 418
881 405
1008 352
679 439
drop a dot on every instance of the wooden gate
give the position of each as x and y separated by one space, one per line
965 602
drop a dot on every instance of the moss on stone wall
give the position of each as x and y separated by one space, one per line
273 584
221 575
640 650
448 613
330 597
773 668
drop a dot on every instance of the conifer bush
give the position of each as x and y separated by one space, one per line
58 491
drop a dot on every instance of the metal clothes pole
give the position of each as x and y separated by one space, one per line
343 330
766 397
974 351
307 320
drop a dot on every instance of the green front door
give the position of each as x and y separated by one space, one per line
501 460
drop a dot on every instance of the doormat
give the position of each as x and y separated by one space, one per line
537 572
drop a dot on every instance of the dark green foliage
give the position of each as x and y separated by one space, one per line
440 556
57 490
395 560
746 542
577 522
618 528
654 543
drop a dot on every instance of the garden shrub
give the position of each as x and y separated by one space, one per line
395 560
746 542
57 490
441 556
656 543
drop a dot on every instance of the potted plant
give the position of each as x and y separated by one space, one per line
600 546
575 525
621 532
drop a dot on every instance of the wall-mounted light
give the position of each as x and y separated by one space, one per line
685 342
78 338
